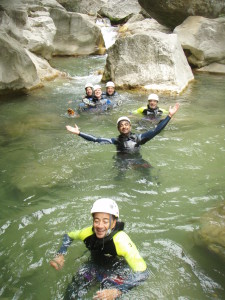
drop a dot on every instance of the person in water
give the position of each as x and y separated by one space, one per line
114 262
152 108
86 100
110 89
127 141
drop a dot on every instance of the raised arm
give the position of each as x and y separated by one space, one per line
88 137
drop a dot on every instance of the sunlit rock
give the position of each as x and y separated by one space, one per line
212 231
153 60
173 13
203 39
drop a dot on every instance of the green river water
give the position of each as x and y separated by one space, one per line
49 179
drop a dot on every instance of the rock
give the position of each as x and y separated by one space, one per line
43 68
17 69
76 34
203 38
146 25
120 10
152 60
89 7
173 13
212 231
39 34
216 68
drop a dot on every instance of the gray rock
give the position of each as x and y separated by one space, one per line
119 10
212 231
203 38
172 13
76 34
152 60
17 69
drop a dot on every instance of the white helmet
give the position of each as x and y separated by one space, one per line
110 83
105 205
97 86
153 97
89 85
123 119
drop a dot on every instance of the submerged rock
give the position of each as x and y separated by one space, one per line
204 39
212 231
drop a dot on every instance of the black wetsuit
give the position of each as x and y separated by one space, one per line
152 112
131 142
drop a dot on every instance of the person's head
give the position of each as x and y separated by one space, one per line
89 89
105 213
97 91
110 88
124 125
153 100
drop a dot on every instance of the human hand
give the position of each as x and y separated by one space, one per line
74 129
58 262
108 294
173 110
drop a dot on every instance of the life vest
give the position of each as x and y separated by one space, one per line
105 246
128 142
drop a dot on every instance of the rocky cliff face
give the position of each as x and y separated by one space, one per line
172 13
31 32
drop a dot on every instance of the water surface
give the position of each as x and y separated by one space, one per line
49 179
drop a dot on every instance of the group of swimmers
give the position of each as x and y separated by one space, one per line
115 261
95 98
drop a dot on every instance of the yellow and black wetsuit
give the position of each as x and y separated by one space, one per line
116 245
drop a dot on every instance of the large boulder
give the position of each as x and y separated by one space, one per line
17 69
120 10
211 233
153 60
21 70
203 40
31 30
172 13
76 34
89 7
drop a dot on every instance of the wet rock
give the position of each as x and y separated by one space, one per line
173 13
204 39
212 231
151 60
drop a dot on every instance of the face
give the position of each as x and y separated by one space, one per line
101 223
98 93
153 104
89 91
124 127
110 90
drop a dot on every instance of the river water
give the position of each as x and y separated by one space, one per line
49 179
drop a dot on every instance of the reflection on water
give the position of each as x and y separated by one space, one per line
49 178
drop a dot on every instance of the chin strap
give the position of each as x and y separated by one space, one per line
109 230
